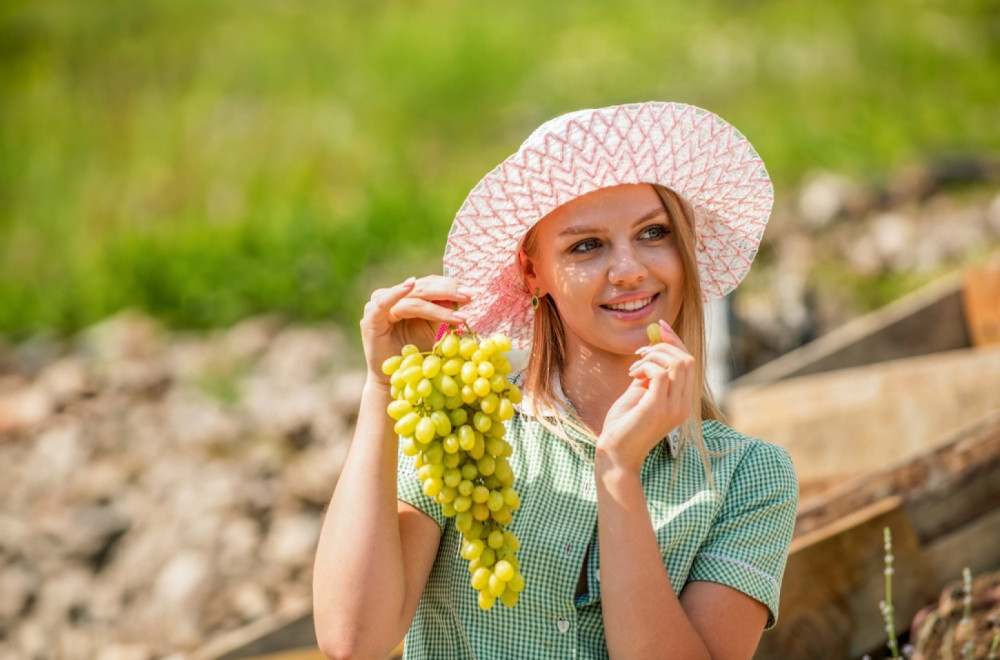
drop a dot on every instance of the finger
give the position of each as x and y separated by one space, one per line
444 290
417 308
382 300
668 335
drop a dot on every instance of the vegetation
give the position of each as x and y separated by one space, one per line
206 161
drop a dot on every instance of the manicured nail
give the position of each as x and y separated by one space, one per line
467 291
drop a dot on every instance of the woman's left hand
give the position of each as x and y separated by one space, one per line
656 402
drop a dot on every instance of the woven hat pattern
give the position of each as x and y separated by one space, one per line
685 148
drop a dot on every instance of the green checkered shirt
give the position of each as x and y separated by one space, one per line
737 535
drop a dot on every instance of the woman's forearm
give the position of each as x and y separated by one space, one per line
360 581
643 617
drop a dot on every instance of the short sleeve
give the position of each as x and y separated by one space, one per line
410 490
747 546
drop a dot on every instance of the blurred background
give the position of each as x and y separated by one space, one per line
196 198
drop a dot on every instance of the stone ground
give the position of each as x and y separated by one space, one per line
162 488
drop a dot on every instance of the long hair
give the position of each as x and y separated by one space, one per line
548 348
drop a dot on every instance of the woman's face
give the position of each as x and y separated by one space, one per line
611 263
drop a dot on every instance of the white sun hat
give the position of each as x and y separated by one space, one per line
682 147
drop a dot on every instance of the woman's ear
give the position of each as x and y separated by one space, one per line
527 270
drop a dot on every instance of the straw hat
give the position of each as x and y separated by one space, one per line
685 148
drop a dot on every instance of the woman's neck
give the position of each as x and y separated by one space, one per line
593 381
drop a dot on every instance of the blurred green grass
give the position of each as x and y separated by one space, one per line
206 161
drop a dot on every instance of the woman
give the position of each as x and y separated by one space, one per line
647 527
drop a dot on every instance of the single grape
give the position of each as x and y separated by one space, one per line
653 333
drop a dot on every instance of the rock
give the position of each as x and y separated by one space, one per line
249 600
292 540
64 381
125 652
128 336
18 587
23 410
826 196
179 581
311 474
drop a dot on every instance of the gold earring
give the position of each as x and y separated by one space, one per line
534 299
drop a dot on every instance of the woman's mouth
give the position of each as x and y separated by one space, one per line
631 305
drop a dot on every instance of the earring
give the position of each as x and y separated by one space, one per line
534 299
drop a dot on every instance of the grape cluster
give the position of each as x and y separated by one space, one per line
449 406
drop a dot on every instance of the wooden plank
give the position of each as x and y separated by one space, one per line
834 581
929 320
279 632
843 423
942 490
981 303
976 545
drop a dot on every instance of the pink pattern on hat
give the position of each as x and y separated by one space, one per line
685 148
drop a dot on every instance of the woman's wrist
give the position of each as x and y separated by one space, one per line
610 465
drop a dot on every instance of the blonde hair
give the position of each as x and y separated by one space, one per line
548 348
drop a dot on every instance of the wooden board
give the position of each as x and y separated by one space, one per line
981 302
834 582
843 423
929 320
942 490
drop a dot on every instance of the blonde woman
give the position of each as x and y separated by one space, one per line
648 528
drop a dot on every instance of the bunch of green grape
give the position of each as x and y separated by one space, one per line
449 406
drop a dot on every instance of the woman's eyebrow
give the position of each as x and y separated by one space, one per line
582 229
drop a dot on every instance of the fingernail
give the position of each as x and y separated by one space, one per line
409 281
467 291
642 350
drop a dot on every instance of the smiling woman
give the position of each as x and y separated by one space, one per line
647 527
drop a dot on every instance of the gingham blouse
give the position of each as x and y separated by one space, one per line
737 535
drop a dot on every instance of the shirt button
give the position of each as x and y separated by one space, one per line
562 624
597 575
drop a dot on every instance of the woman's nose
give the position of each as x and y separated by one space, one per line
626 268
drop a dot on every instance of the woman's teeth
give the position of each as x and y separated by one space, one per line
630 306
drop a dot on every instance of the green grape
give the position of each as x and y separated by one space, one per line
452 366
486 601
458 417
509 597
448 345
424 431
407 424
495 501
481 579
504 570
497 586
442 423
391 364
424 388
431 366
398 408
450 443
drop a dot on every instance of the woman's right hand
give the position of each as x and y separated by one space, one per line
409 313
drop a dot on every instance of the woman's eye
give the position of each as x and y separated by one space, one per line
585 246
654 232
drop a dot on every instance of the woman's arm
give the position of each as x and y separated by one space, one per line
365 587
375 552
643 617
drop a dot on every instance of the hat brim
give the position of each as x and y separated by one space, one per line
692 151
